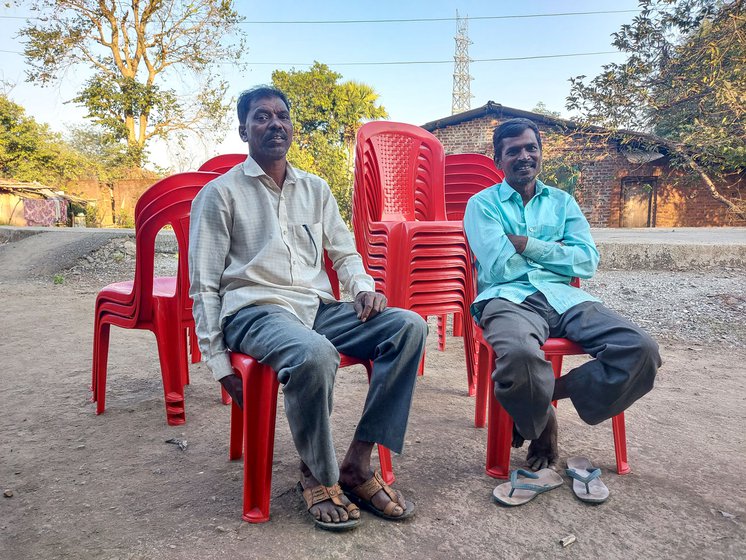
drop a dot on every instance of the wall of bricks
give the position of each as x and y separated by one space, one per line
682 200
125 193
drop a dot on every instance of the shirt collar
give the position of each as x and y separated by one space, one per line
505 191
252 169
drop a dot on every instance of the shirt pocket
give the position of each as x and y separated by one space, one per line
307 244
551 233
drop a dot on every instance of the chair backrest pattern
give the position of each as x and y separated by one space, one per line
172 207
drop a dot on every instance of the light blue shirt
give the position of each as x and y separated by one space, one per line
559 246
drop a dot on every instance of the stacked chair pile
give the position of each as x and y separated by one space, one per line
417 258
158 304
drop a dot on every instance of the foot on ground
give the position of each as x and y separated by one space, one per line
543 451
518 439
352 478
326 511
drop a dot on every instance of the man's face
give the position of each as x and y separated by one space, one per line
520 159
268 130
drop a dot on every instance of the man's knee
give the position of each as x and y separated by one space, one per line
517 356
317 360
648 355
410 324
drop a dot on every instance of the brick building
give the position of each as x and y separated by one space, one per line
617 182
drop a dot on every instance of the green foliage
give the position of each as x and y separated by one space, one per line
683 80
58 279
30 151
109 157
326 116
133 49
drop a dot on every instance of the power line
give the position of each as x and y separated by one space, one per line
408 20
409 62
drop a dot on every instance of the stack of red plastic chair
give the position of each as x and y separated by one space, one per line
159 304
465 176
222 163
417 258
499 422
252 432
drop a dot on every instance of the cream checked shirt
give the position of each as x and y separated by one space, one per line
252 243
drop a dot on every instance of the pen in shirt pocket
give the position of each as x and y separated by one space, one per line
313 241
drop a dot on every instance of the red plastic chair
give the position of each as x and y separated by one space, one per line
500 424
161 305
252 430
400 223
465 175
222 163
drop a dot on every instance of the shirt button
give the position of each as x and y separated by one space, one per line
295 262
284 232
531 229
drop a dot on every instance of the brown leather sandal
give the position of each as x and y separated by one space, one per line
363 493
318 494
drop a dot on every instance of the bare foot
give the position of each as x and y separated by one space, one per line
543 451
326 511
233 386
355 470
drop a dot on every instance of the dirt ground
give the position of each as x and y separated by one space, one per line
110 487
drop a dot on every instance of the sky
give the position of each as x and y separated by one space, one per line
412 93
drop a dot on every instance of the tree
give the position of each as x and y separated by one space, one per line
327 115
133 48
542 109
683 82
30 151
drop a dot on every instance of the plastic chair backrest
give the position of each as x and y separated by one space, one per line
398 173
161 188
222 163
173 208
466 175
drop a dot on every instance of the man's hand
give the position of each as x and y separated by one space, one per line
518 241
369 304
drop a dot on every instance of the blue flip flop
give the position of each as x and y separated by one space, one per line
518 492
586 481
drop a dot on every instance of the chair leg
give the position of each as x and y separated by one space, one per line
260 387
471 370
442 323
620 444
458 324
173 358
187 342
499 436
100 363
235 444
556 361
484 366
194 346
225 398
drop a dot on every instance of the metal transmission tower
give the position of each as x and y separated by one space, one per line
461 78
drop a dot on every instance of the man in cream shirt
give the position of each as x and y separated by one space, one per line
256 259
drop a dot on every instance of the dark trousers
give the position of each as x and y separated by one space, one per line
624 368
306 362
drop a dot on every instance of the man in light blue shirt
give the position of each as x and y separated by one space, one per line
530 240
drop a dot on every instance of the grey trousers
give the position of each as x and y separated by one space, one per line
306 362
625 364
